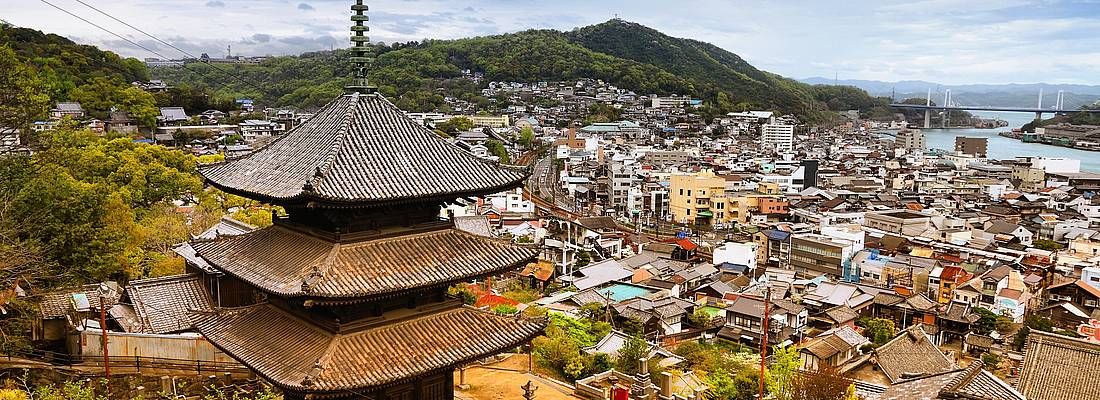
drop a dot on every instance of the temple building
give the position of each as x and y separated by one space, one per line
344 296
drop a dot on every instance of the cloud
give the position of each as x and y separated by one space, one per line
949 41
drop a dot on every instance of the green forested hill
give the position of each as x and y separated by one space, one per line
711 68
64 65
628 55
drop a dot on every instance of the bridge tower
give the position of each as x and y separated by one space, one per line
928 112
945 121
1039 114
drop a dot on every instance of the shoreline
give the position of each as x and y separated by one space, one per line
1014 135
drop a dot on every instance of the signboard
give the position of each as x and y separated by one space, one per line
681 235
1091 330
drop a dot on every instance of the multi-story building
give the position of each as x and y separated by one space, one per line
813 255
972 146
779 136
491 121
623 173
667 157
698 198
901 222
912 140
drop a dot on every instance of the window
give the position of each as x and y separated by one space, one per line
1090 303
681 192
689 192
1094 278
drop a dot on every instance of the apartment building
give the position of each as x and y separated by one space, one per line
972 146
912 141
698 198
812 255
491 121
779 136
902 222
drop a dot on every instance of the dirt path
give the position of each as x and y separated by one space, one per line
502 381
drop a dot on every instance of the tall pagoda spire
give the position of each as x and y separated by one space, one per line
359 49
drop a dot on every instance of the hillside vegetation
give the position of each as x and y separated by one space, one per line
418 74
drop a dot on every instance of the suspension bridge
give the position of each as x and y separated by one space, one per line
949 104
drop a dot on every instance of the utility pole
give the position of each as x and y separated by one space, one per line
764 340
103 289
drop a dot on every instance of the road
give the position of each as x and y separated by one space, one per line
544 182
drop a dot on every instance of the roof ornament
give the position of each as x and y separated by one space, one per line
359 49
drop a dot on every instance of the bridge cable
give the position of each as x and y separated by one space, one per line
218 81
215 66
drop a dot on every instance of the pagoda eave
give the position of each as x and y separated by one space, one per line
301 358
283 262
311 200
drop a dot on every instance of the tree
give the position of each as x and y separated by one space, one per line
583 258
456 124
497 149
23 95
987 321
1048 245
100 95
634 349
991 361
783 371
700 318
633 326
594 311
822 385
526 137
879 330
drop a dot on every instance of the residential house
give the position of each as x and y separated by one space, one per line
831 349
911 354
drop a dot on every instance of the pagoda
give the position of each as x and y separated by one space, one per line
346 295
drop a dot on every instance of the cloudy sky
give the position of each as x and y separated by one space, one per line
946 41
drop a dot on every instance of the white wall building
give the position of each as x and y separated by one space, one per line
779 136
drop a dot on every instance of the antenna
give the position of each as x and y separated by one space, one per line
359 49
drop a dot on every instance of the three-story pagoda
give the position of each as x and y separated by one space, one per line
345 297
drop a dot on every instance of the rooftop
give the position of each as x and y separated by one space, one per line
360 150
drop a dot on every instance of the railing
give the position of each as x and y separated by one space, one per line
121 363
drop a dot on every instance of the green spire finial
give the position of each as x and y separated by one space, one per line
359 49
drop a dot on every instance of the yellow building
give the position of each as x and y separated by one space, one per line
491 121
698 198
701 198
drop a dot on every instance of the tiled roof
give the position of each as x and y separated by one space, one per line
296 355
285 262
59 304
911 353
972 383
360 149
162 304
1058 367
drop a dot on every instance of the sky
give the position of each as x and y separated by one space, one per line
944 41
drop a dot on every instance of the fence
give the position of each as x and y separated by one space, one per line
87 365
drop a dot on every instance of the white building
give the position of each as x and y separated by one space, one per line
511 201
1056 165
779 136
736 253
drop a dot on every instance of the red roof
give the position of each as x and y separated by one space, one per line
492 300
687 244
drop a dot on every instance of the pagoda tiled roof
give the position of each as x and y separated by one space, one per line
299 356
360 150
290 263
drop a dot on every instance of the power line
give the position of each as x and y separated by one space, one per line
184 52
127 40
